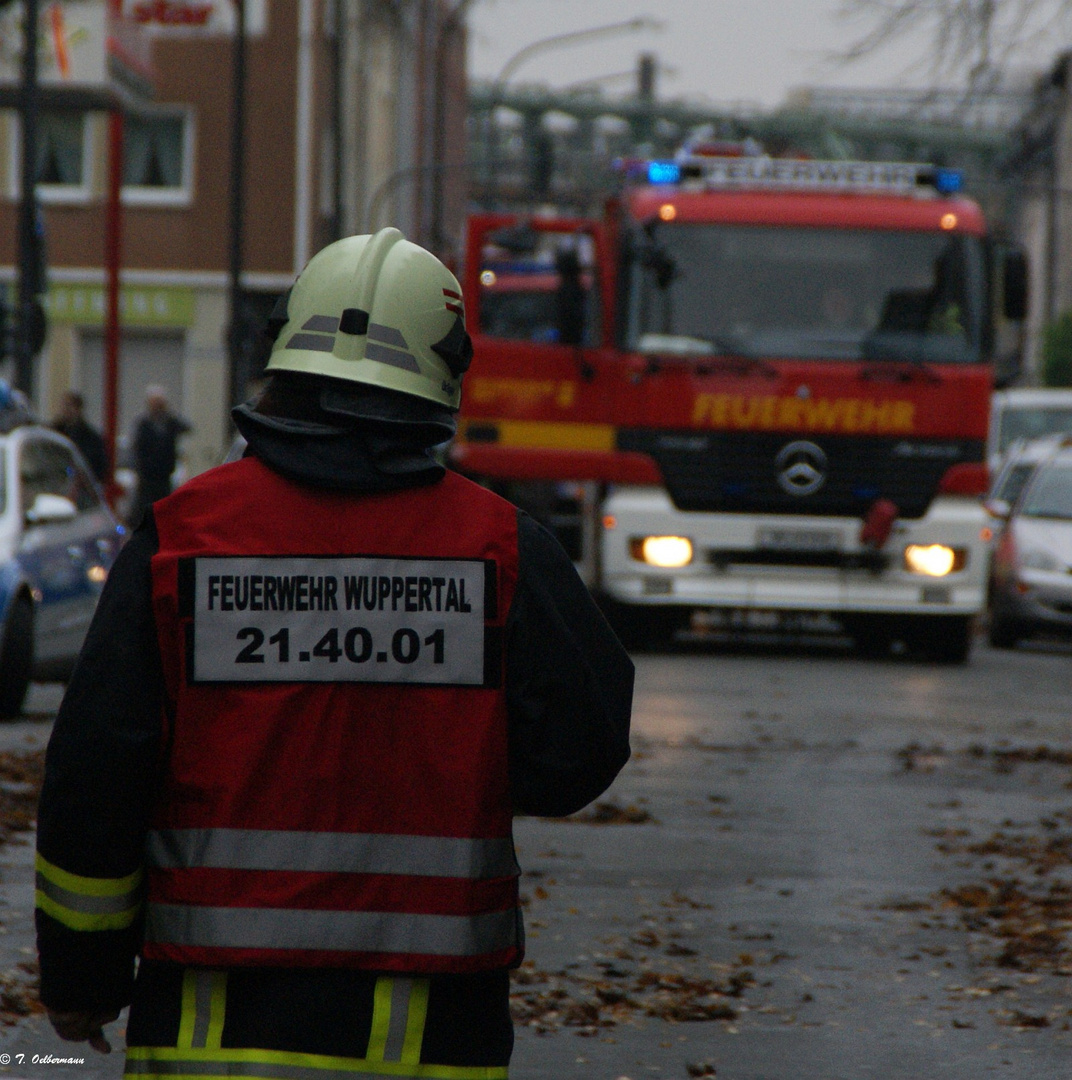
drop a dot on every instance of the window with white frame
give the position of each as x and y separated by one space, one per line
62 159
156 157
61 148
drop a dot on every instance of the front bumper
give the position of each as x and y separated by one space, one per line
1043 600
731 569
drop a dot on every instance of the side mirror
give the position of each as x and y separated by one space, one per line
1007 369
998 508
51 509
1014 285
521 239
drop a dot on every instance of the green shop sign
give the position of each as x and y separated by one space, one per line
139 305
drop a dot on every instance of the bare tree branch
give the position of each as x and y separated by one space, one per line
972 42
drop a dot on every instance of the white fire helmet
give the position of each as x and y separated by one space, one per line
376 310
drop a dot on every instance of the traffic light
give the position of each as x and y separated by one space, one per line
37 325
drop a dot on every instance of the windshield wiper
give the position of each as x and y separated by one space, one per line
738 364
898 369
704 354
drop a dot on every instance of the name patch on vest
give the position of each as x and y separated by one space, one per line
339 619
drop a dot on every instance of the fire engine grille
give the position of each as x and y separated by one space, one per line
724 558
746 472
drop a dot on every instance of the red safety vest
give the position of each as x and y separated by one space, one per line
336 790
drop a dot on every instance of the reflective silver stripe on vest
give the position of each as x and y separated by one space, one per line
332 931
332 853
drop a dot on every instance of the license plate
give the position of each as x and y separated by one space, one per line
781 539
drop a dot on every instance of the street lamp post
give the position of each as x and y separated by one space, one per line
236 335
535 48
29 241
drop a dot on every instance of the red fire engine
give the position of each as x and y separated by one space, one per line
754 395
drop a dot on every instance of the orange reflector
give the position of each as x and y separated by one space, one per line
668 211
949 221
610 521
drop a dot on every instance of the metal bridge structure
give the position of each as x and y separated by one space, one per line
532 147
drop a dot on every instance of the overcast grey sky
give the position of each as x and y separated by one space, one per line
722 50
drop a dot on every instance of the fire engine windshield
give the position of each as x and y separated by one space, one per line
814 293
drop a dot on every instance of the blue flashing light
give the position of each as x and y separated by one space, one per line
664 172
948 181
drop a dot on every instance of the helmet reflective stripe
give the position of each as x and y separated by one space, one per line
376 310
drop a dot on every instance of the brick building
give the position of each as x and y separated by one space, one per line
355 113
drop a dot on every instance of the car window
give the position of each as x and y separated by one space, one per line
49 468
1033 422
1012 483
548 292
1050 494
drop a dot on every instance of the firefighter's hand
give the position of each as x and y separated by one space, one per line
83 1027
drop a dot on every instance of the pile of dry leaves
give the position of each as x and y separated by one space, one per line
589 1003
20 786
1024 901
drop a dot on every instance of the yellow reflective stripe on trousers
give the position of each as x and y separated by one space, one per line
87 903
400 1008
177 1063
204 1002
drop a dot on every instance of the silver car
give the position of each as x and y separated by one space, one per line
1031 576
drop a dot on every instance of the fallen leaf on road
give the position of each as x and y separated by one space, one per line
21 775
610 813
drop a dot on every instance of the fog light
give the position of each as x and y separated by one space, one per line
934 560
666 551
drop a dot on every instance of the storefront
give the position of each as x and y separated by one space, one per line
171 337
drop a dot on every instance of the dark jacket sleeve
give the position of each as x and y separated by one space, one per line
569 684
101 769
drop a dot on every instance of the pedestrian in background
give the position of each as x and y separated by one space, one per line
155 449
71 421
320 682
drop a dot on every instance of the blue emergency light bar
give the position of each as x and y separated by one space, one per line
664 172
948 181
790 174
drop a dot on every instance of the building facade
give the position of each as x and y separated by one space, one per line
345 106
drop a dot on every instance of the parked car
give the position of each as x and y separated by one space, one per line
1031 572
1015 469
1026 413
58 540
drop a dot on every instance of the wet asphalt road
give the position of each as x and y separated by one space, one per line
761 896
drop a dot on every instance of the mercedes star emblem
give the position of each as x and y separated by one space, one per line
801 468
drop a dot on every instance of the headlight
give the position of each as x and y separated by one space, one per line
665 551
1038 559
934 560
